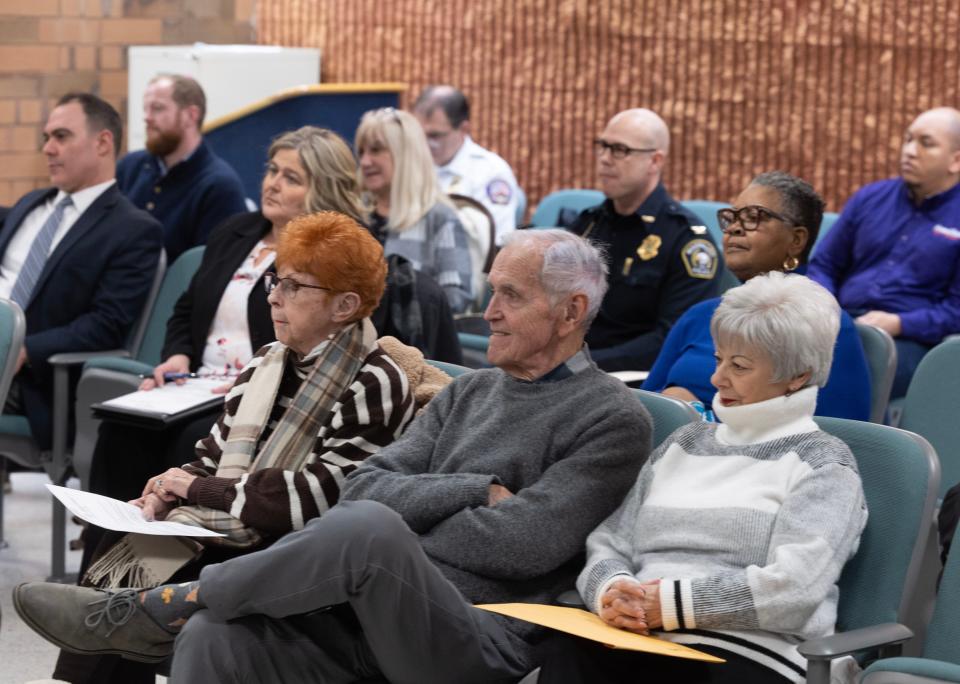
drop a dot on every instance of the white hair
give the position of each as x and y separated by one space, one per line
571 264
786 316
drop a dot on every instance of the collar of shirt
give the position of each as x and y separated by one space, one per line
461 157
163 167
82 199
577 363
651 206
933 202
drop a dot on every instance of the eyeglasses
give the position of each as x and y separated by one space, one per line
288 286
749 217
616 150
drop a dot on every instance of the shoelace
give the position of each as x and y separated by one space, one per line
117 609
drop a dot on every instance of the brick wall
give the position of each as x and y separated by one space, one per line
50 47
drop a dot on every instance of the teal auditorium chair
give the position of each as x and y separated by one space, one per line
12 329
17 442
829 218
451 369
881 355
668 414
707 210
548 211
521 206
940 661
901 477
106 377
930 406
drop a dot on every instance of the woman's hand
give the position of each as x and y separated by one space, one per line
169 485
651 604
623 606
178 363
154 508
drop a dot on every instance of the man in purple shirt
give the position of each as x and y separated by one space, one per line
893 257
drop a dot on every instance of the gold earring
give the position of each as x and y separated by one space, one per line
790 263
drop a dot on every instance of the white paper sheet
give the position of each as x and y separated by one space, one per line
120 516
171 398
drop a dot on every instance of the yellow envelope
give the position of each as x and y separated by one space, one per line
587 625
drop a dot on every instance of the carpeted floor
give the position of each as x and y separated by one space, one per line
24 656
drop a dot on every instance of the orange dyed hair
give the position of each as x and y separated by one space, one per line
340 253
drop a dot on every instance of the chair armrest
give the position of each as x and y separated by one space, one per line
75 358
119 364
571 599
887 635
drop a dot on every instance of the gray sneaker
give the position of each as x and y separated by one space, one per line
85 620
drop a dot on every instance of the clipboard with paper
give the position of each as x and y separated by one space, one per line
587 625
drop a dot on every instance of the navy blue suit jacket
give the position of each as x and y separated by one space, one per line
91 292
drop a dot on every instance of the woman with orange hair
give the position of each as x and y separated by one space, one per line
303 414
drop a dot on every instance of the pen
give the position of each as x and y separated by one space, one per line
167 377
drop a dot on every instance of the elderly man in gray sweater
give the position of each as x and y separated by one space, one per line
488 497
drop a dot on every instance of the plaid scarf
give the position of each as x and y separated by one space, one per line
337 363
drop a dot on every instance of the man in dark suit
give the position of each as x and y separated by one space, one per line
78 257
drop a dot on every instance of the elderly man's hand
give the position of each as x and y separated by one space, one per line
154 508
623 606
21 359
497 494
170 485
888 322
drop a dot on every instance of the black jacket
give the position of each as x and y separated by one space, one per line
228 246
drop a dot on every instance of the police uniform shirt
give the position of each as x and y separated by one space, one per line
479 173
662 261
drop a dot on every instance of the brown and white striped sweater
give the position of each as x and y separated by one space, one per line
371 413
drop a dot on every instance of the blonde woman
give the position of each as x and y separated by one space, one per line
410 214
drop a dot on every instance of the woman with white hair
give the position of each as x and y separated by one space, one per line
733 538
411 216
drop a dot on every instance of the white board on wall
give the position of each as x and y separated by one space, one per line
232 76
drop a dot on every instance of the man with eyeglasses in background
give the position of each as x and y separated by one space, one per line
662 260
463 167
892 259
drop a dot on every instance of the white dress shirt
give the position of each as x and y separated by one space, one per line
19 245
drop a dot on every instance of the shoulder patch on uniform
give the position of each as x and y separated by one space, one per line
499 191
699 257
699 230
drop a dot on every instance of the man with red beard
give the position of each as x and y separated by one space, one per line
662 260
178 178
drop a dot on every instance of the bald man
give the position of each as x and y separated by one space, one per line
662 261
893 257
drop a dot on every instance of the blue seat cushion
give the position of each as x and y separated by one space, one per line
920 667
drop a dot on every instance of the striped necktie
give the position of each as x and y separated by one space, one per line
37 256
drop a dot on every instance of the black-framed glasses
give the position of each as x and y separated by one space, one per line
618 151
749 217
288 286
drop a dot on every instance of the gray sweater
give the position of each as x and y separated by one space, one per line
569 450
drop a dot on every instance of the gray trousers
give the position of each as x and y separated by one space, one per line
394 614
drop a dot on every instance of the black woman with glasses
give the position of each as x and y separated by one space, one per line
304 413
662 261
771 226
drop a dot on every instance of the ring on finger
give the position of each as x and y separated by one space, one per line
160 483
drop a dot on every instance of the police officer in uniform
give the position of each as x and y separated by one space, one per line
662 260
463 166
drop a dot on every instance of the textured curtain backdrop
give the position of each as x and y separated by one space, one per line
821 89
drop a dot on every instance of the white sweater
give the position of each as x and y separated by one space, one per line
747 524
